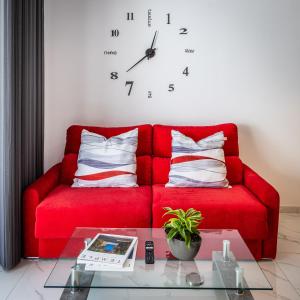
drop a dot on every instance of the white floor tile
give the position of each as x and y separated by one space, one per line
282 288
31 285
9 279
289 233
289 263
115 294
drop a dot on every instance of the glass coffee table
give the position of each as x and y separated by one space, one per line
235 276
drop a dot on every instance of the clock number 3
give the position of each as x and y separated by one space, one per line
131 84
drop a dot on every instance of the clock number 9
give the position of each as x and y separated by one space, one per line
131 84
171 87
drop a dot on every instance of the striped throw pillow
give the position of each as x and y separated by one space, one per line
106 162
197 164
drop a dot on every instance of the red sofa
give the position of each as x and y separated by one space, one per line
52 209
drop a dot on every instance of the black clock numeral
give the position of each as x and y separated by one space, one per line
115 33
186 71
183 31
114 75
131 84
130 16
168 19
171 87
149 94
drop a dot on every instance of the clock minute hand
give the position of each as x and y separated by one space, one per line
137 63
153 41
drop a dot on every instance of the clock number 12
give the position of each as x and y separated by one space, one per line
131 84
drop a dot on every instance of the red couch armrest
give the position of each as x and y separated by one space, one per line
33 195
266 194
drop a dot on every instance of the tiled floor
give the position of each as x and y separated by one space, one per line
27 279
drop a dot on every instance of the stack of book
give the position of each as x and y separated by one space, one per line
109 252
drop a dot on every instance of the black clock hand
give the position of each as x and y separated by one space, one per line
149 52
137 63
153 40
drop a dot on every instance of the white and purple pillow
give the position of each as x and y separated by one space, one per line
106 162
197 164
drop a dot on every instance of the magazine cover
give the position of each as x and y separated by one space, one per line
127 267
109 249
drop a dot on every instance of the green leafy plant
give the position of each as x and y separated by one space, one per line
184 225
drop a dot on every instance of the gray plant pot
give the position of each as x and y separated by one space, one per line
181 251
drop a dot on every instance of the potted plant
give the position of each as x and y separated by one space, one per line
182 232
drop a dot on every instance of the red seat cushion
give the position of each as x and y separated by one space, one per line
233 208
66 208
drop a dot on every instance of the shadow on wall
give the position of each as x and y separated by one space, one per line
254 151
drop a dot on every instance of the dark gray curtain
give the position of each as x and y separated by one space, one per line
21 116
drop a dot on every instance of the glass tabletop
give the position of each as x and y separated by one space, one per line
167 272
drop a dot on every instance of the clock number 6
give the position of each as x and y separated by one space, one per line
131 84
171 87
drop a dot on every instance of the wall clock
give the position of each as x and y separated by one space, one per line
146 48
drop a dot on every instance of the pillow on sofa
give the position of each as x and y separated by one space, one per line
197 164
106 162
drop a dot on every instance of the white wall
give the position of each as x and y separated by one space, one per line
246 70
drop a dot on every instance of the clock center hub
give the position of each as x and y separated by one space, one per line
150 52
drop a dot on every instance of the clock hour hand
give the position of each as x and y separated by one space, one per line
137 62
149 52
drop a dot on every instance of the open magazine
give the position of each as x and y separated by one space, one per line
108 249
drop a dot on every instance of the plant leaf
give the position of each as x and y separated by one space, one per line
172 233
188 240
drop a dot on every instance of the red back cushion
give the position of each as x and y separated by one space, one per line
162 140
162 149
144 137
161 169
144 150
69 167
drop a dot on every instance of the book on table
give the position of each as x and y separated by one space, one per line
109 251
127 267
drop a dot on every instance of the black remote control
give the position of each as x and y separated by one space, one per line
149 252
